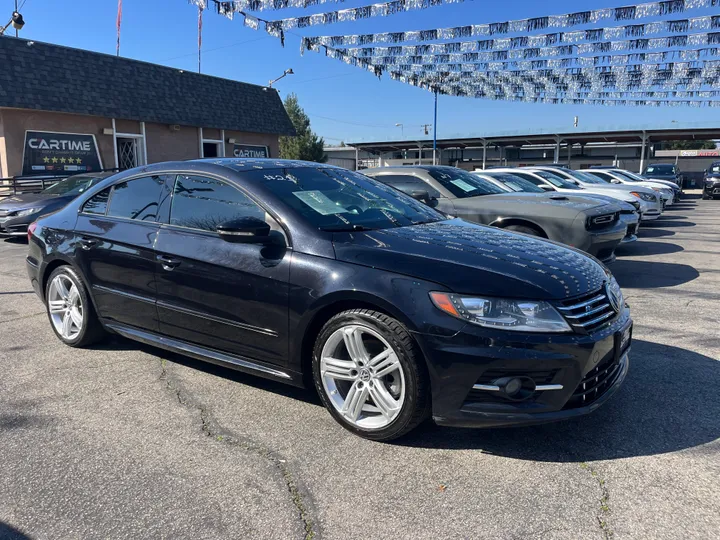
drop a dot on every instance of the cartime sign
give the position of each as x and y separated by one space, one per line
250 151
59 153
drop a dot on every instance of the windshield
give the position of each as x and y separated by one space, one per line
664 169
515 182
556 180
629 176
340 200
74 185
586 178
463 184
714 168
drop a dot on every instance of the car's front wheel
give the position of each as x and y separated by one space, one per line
371 375
70 310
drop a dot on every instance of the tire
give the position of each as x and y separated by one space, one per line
405 380
522 229
74 303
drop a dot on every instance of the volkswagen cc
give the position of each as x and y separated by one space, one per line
314 275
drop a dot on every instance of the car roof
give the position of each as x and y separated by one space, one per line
411 168
246 164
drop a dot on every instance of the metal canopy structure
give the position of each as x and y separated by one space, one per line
556 140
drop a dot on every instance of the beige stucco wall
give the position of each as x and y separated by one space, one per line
163 143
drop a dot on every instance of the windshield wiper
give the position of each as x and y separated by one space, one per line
346 228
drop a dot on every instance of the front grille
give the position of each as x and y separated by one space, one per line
490 376
595 383
589 312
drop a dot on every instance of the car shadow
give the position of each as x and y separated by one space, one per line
651 274
665 405
8 532
653 233
645 248
668 221
15 240
307 395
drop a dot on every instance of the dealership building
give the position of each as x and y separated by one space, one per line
65 110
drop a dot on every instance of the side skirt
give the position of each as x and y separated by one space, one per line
207 355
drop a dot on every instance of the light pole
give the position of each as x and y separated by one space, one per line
402 130
285 74
435 130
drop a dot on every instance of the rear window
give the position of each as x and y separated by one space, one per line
661 169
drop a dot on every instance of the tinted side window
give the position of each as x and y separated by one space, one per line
604 176
407 183
529 178
98 203
136 199
204 203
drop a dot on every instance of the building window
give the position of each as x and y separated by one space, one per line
211 149
127 153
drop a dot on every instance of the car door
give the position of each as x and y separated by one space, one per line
227 296
115 233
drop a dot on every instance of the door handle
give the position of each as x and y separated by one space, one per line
88 243
168 263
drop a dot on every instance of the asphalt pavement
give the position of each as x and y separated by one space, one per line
127 441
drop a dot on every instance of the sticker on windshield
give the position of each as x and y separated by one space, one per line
319 202
512 185
462 184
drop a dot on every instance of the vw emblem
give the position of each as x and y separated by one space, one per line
613 297
365 375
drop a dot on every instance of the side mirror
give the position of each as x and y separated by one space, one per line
246 230
423 196
546 187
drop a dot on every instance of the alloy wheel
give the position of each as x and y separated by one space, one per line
362 376
65 307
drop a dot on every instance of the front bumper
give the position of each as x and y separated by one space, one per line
581 373
602 244
15 226
712 190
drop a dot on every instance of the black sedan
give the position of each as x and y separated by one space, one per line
579 221
311 274
19 211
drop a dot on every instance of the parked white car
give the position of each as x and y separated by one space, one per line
616 176
589 181
551 182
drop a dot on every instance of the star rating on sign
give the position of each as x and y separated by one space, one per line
62 160
54 160
46 159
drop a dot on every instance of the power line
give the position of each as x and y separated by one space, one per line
216 48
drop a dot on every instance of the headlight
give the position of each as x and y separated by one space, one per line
518 315
644 196
26 212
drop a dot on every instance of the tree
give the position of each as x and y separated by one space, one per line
688 145
306 145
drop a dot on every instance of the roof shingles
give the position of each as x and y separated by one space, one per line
61 79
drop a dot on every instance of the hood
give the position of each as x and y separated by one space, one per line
475 259
549 201
27 200
662 182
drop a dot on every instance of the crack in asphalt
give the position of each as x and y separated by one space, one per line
211 428
23 317
603 516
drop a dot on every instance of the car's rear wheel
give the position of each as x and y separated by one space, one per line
371 375
70 310
523 229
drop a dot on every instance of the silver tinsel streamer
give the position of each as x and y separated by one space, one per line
531 25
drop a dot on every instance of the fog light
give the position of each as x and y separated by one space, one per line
516 388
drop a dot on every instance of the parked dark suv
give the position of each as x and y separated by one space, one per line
711 181
302 272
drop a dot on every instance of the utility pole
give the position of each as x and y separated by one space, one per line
435 130
16 8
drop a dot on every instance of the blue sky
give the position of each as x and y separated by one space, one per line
344 103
